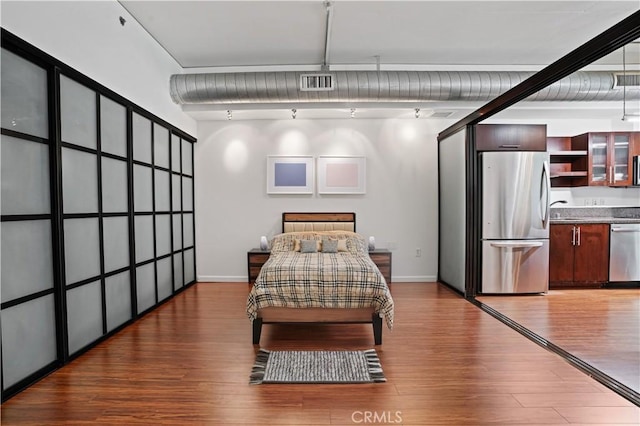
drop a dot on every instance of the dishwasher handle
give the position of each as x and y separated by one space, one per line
625 229
519 244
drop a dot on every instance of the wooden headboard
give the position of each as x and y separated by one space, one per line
297 222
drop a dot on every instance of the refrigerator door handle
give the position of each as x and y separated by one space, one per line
545 189
517 244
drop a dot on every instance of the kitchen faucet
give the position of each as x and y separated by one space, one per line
559 201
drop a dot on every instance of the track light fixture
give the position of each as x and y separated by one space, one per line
229 114
294 112
353 112
417 113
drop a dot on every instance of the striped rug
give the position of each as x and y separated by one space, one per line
317 367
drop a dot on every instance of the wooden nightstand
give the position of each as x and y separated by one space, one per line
382 259
255 259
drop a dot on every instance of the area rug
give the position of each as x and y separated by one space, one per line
317 367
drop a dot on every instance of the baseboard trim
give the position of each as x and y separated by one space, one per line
222 279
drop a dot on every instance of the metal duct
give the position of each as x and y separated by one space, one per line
385 86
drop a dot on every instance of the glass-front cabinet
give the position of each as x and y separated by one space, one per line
610 157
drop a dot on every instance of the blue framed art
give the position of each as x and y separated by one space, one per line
290 175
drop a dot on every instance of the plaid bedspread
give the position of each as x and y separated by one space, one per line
321 280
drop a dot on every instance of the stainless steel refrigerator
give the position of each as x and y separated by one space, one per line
515 222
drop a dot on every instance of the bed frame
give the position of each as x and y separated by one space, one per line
296 222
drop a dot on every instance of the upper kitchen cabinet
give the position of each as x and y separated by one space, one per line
610 156
569 162
511 137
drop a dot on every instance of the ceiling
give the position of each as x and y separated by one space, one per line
244 36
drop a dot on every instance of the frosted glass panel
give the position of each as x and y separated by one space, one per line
113 127
187 222
28 338
79 181
144 238
114 186
189 265
178 280
77 113
145 287
453 208
177 232
81 249
163 234
163 199
165 288
84 315
187 155
176 162
187 194
116 243
142 189
25 176
141 139
27 265
24 96
176 195
161 146
118 300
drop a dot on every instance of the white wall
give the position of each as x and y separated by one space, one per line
87 36
400 207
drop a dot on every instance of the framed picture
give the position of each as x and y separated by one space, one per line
289 175
341 175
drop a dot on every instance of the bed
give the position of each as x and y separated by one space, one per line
319 271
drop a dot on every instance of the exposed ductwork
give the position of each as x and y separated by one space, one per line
386 86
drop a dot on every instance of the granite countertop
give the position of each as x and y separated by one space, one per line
600 214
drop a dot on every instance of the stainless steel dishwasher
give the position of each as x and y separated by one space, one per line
624 259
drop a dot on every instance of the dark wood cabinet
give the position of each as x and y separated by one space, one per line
568 160
579 255
511 137
382 259
255 259
610 157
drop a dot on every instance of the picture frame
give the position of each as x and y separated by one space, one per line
341 174
290 174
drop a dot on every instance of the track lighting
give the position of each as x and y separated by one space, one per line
417 113
353 112
229 114
294 112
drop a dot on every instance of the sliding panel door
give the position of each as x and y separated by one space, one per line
143 200
182 207
96 196
28 313
115 213
162 190
81 206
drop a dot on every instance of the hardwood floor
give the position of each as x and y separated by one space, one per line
446 362
599 326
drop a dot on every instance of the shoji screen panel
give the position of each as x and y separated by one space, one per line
95 206
91 214
182 207
28 275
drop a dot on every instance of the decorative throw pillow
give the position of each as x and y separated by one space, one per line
342 245
308 246
329 246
